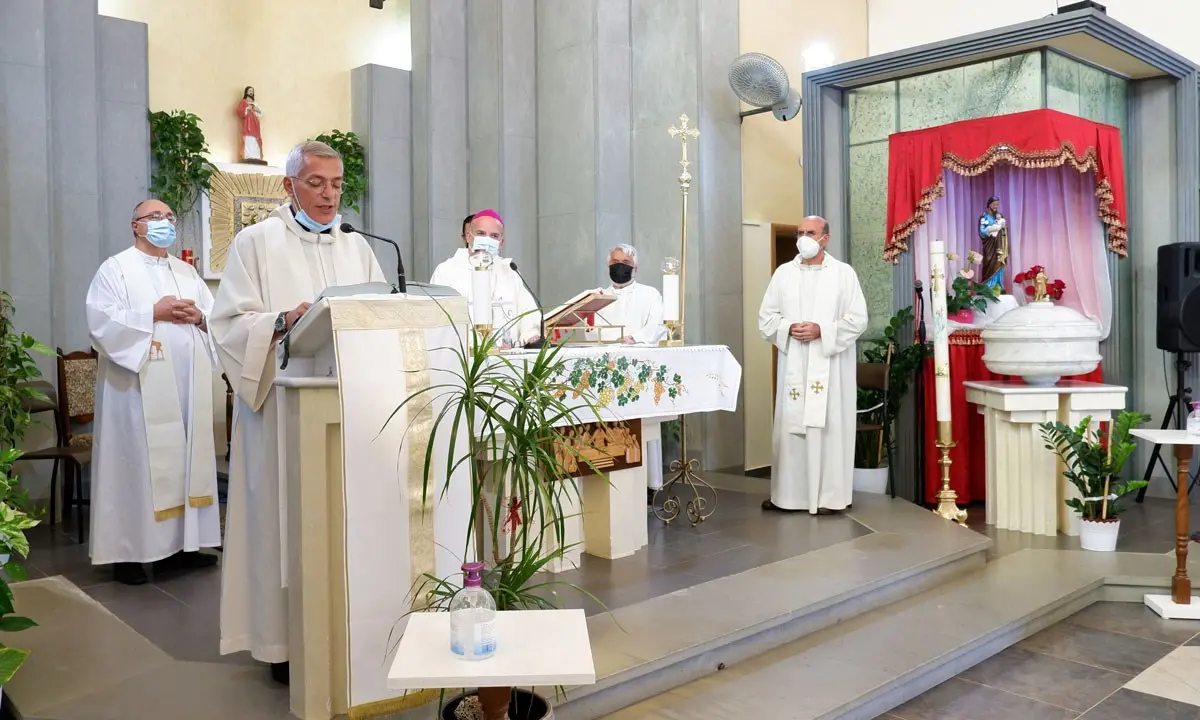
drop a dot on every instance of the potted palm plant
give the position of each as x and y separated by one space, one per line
503 417
1093 460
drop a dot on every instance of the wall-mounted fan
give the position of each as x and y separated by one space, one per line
760 80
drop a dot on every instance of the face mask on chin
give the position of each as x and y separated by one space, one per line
620 273
808 247
308 223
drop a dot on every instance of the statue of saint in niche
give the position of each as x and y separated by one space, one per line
250 113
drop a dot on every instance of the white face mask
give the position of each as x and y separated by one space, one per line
808 247
487 244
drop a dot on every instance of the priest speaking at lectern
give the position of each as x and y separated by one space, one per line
813 312
275 269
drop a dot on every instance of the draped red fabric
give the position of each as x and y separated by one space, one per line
968 468
1035 139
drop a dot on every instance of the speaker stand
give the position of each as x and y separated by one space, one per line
1177 411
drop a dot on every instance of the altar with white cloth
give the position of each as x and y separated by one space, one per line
356 533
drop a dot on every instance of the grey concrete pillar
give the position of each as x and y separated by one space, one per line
24 171
124 130
583 129
681 54
502 121
74 163
381 116
439 130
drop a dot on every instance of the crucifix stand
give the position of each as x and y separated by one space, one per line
698 508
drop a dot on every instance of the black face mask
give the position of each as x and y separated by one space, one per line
620 273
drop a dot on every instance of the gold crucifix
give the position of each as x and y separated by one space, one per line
684 133
817 387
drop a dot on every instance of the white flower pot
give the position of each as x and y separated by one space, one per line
871 480
1099 536
1041 342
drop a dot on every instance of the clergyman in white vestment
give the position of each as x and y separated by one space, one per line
814 312
275 269
510 299
637 315
154 469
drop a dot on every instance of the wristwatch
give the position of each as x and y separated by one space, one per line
281 327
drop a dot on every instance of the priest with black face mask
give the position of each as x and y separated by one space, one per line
637 315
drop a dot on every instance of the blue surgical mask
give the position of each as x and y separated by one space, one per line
312 225
160 233
487 244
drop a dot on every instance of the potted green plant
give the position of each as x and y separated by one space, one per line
1093 462
510 412
17 371
354 166
966 296
870 453
181 167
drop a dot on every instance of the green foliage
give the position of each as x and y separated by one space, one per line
969 294
1089 464
17 369
509 410
906 362
354 166
181 166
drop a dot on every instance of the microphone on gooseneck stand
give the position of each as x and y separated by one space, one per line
541 317
401 285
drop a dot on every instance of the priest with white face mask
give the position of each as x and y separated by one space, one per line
514 311
814 312
276 268
636 317
154 472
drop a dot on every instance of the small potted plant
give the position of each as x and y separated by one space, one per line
1093 461
967 296
1038 286
510 411
871 453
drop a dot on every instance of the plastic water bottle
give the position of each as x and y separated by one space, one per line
1193 420
473 617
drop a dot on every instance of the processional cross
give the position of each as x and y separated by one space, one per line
684 133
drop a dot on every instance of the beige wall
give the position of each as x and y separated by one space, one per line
900 24
297 54
772 176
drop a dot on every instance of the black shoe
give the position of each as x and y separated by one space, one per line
185 561
280 673
130 574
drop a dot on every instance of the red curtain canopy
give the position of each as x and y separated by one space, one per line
1035 139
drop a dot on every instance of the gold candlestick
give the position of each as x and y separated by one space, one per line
947 498
483 330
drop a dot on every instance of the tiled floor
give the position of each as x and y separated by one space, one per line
1110 661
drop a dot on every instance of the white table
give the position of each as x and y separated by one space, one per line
534 648
1180 604
1026 490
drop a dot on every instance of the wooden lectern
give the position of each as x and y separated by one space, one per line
357 537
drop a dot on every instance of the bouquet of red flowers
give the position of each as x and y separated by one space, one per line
1038 286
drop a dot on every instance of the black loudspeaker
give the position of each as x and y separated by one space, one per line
1179 297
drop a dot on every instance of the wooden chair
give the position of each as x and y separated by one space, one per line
76 406
875 376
